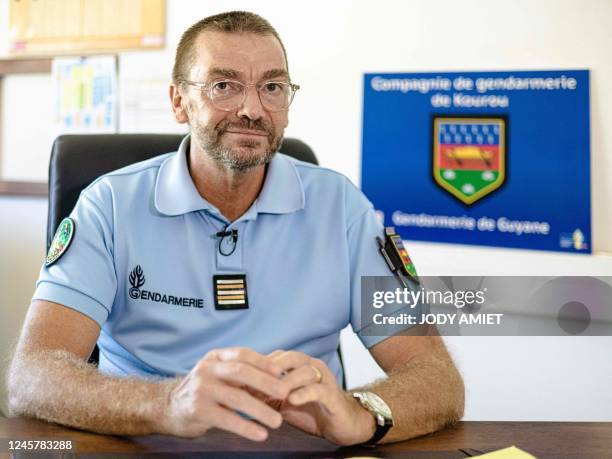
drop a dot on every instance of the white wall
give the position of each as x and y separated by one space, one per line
22 251
331 45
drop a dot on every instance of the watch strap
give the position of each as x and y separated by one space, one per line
383 423
380 432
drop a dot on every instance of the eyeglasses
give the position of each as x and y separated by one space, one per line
228 95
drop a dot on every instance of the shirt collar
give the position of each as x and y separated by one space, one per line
176 194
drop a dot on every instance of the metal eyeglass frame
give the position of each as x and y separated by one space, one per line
209 86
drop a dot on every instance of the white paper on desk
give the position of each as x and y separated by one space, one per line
85 94
507 453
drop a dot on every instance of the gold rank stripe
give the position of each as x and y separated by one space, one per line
230 287
231 297
229 281
231 292
232 301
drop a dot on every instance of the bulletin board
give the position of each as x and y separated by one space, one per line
43 27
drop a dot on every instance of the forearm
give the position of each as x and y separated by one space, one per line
424 394
59 387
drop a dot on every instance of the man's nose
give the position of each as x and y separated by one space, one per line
251 107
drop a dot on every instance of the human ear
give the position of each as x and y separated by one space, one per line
176 99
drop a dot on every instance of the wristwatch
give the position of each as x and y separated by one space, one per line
381 411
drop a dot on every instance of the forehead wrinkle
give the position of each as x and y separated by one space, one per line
242 56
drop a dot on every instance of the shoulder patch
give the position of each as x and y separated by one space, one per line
61 241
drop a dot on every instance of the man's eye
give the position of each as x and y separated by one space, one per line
226 86
272 87
221 86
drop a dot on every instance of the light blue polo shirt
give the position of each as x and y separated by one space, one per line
144 254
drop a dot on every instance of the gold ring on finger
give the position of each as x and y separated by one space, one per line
317 373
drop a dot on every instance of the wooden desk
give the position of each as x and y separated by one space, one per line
557 440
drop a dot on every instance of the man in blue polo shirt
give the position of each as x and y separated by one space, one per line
216 279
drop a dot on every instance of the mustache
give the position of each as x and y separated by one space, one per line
252 125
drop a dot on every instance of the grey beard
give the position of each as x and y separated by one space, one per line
227 157
209 142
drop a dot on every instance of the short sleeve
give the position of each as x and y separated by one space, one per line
84 277
366 260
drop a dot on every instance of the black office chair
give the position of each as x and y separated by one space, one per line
77 160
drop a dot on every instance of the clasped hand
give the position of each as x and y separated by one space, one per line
284 385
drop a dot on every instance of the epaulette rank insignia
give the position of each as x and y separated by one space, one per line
396 256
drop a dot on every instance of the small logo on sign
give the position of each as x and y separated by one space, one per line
575 240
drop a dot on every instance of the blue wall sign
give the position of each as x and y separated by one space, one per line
486 158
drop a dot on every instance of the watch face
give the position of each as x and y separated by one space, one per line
377 404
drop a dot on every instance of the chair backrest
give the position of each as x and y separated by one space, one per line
77 160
